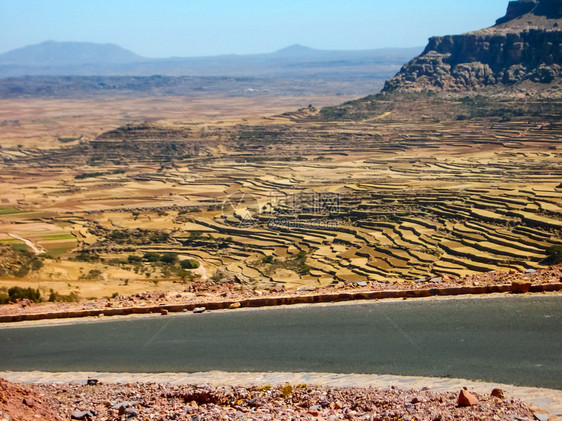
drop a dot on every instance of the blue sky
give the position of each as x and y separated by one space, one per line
166 28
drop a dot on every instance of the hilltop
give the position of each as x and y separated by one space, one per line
52 53
521 51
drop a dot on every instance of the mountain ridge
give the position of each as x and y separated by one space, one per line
295 60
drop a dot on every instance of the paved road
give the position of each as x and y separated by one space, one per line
511 339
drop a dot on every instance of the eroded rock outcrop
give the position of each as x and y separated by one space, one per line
523 45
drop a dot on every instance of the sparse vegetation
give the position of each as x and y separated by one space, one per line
16 293
189 264
554 255
72 297
68 139
17 260
88 175
267 259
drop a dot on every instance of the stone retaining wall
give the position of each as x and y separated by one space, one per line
287 300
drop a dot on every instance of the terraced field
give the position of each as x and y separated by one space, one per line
296 201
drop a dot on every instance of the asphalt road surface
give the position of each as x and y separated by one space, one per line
508 339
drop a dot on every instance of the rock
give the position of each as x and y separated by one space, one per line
521 286
336 405
81 415
199 310
29 402
123 405
131 413
234 305
466 398
540 417
362 284
163 312
498 393
92 382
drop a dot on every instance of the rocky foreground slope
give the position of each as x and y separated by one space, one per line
189 402
523 47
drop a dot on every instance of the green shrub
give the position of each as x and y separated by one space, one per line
86 256
93 274
267 259
195 235
134 259
169 258
17 293
4 298
117 262
152 257
189 264
88 175
554 255
55 297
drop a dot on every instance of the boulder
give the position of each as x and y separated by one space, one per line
198 310
466 398
498 393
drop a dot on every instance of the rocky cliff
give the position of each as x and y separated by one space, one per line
524 45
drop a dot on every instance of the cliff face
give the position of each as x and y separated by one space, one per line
524 45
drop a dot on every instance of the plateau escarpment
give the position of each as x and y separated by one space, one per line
522 46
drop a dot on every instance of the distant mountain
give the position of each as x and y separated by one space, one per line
295 50
51 53
296 61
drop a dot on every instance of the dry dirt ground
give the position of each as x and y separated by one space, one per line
52 123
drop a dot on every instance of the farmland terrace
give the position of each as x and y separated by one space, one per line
406 192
